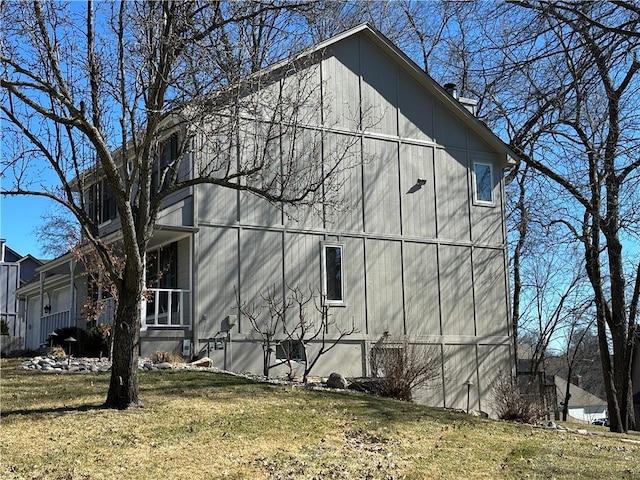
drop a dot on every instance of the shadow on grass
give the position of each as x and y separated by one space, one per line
43 411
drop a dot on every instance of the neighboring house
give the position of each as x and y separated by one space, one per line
583 406
15 271
420 255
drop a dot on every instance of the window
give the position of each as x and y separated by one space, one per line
386 361
483 183
162 278
101 202
168 155
162 267
333 274
290 350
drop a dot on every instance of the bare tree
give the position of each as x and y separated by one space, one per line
126 94
402 367
298 324
575 336
573 123
314 334
267 321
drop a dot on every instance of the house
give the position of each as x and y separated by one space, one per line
419 255
583 406
15 271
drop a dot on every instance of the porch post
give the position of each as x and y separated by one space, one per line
36 323
42 277
72 293
143 302
191 318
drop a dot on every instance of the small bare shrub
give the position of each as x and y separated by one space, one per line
402 368
513 405
56 352
162 357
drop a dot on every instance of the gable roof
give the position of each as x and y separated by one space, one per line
579 396
418 74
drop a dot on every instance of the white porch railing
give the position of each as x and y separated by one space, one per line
166 307
51 322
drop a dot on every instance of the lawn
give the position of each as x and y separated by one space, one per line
211 425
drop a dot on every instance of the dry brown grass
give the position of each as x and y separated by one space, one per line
205 425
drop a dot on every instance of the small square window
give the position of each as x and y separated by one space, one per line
333 274
290 350
483 183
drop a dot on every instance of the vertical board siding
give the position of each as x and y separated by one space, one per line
452 195
415 110
260 148
381 187
432 393
421 289
216 153
302 271
255 210
341 85
302 96
217 204
379 90
384 288
8 285
418 202
493 362
261 263
217 277
302 156
184 276
347 217
490 295
302 261
456 290
449 131
460 366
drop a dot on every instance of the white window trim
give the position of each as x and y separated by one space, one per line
326 301
476 200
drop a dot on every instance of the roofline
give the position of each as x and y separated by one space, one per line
417 73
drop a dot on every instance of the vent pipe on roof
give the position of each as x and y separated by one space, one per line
452 89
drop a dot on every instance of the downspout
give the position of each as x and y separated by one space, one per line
195 308
72 294
35 328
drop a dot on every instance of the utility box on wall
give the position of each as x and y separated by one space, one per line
186 348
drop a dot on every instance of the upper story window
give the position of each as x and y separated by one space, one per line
102 203
483 183
333 280
168 155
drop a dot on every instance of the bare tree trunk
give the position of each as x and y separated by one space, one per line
567 396
123 386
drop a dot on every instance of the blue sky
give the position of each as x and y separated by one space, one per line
20 219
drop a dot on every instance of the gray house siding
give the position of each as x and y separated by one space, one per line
424 259
422 262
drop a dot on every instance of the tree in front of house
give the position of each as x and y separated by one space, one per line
296 326
111 98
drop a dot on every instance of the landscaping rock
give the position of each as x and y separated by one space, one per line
164 366
204 362
336 380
